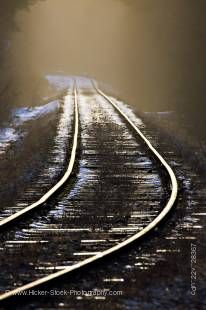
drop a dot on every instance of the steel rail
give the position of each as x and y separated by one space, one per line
149 227
61 182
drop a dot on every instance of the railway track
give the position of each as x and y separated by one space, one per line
108 250
60 183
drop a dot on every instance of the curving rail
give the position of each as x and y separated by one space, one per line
61 182
149 227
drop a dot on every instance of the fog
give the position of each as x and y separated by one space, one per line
152 53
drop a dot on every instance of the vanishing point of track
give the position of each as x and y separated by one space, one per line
149 227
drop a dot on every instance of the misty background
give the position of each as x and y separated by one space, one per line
151 53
